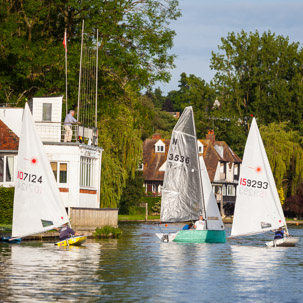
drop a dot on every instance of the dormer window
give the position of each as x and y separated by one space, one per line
200 147
160 147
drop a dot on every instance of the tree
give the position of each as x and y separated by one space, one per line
132 193
294 205
134 40
285 155
260 75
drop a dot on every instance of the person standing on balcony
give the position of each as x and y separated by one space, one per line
68 122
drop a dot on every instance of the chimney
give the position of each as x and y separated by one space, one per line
211 136
156 136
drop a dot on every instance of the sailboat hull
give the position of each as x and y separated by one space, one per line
76 241
195 236
284 242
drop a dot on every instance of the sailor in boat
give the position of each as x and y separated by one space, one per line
188 226
279 233
200 224
66 232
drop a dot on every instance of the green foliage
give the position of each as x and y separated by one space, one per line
134 39
122 149
107 232
260 75
6 203
284 154
153 203
132 194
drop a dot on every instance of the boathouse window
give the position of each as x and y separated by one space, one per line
47 112
6 168
87 166
60 171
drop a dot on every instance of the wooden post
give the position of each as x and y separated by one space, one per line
146 209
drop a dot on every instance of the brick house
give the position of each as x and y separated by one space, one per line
222 164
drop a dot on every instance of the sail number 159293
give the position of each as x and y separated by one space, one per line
253 183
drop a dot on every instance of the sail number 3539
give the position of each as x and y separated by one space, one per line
178 158
253 183
29 177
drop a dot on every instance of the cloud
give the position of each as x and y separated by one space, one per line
205 22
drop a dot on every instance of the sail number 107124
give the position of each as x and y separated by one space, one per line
29 177
253 183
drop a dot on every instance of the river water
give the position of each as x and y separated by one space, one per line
139 268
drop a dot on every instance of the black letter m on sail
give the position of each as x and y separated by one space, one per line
175 141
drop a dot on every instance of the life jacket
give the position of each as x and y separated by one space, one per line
279 234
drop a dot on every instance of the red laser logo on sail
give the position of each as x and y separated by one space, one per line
33 161
258 169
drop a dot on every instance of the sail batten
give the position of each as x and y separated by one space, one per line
37 201
258 208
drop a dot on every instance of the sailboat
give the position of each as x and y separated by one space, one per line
37 203
187 191
258 208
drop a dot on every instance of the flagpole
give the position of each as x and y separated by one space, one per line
65 47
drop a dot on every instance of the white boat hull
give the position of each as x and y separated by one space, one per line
166 237
284 242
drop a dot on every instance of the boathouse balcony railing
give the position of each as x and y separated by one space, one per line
55 132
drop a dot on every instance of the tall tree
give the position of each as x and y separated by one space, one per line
260 75
134 40
285 155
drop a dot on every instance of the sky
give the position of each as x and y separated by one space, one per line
205 22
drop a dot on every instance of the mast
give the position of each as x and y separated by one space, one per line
96 125
203 210
80 71
65 48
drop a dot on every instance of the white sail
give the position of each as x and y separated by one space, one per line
37 202
182 187
213 217
258 208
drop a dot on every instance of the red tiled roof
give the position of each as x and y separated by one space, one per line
8 139
153 161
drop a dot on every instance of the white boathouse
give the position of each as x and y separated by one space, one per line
76 164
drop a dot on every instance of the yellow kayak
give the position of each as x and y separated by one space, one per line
72 241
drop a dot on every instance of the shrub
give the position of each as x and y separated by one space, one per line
107 232
6 204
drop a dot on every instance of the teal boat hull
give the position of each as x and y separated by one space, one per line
201 236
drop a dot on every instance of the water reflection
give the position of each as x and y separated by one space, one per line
45 272
140 268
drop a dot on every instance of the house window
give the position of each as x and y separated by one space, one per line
87 168
6 168
160 148
230 190
47 112
201 149
223 190
236 169
60 172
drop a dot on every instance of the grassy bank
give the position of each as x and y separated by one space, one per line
137 217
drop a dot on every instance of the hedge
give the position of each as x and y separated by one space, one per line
6 204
